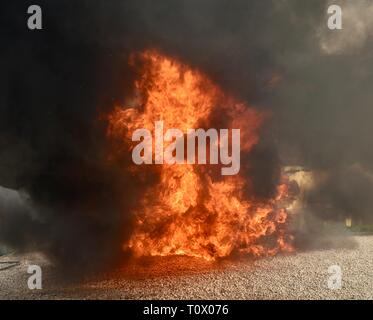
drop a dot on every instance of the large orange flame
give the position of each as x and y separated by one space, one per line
191 210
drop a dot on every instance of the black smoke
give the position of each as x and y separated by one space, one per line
56 82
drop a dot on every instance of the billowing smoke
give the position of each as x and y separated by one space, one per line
55 83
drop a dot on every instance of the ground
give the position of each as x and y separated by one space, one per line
300 275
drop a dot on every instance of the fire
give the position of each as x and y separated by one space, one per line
191 210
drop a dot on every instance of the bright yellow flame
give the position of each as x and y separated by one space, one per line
191 211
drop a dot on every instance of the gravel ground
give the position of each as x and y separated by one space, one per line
302 275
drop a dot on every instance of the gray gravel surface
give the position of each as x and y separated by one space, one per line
301 275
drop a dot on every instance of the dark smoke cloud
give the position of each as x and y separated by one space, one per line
54 83
347 191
